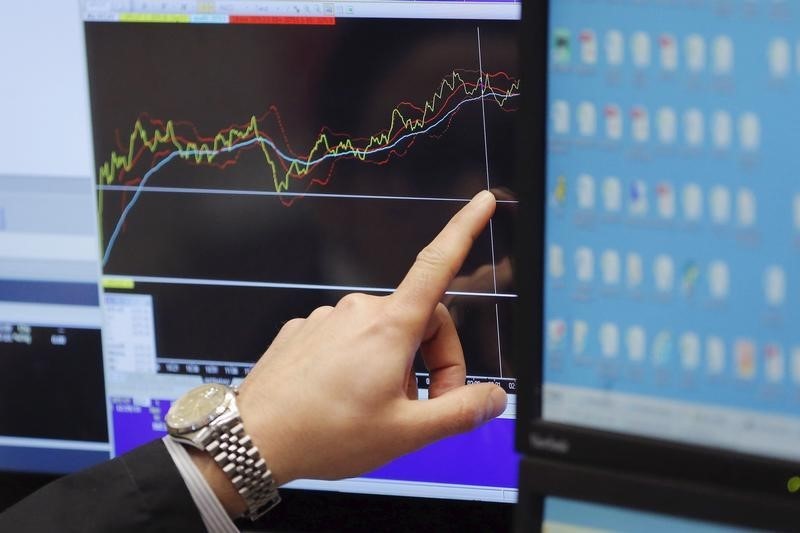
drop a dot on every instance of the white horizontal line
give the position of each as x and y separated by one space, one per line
24 442
239 192
275 285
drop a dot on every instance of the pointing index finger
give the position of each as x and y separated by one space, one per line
438 263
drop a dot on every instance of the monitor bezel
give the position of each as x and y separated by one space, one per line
678 461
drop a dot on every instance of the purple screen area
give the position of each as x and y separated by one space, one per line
484 457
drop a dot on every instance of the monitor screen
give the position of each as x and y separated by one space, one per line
253 161
667 272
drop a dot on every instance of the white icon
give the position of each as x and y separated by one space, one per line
580 330
718 280
715 355
634 270
556 255
640 124
637 201
745 356
668 48
723 55
774 285
796 366
689 346
664 273
640 49
720 204
556 331
587 119
584 264
721 129
585 191
693 127
779 56
613 116
636 342
609 339
665 200
588 42
615 48
560 117
610 267
692 202
796 209
749 131
695 53
612 194
746 208
773 363
667 125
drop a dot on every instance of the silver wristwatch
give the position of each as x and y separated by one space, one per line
207 418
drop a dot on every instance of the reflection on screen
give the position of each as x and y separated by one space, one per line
673 229
572 516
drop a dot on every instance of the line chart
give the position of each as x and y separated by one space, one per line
155 143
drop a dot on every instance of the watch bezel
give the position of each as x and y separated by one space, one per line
205 420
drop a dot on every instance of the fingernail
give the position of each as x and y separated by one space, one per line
495 403
483 196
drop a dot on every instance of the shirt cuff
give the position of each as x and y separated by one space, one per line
211 510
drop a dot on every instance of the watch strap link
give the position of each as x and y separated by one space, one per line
239 458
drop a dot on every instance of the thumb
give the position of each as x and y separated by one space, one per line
457 411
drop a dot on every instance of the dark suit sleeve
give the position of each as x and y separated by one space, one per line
141 491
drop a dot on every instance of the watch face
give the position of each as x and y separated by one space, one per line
197 407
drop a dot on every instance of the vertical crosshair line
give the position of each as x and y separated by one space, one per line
488 187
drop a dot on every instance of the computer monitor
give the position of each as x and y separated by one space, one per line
251 162
661 301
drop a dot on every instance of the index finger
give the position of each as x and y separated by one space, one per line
438 263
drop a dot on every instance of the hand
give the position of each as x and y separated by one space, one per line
335 395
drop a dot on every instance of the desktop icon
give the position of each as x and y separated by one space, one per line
609 340
773 363
749 132
720 201
693 127
667 125
796 365
721 130
722 55
584 264
587 119
775 285
665 200
615 48
690 274
689 346
636 343
796 210
560 117
744 351
715 355
634 270
610 267
640 49
668 48
718 280
560 191
562 44
640 124
580 333
556 332
585 191
695 53
588 41
663 273
612 195
662 348
637 198
613 116
779 58
692 202
745 208
556 261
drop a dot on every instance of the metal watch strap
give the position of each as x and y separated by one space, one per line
234 452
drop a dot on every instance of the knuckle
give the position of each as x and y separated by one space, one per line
435 259
352 300
293 324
